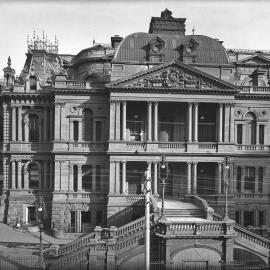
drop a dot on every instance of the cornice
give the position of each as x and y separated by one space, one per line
243 96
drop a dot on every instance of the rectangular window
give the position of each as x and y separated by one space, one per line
260 180
249 184
86 218
238 179
75 178
32 214
99 217
72 221
98 131
75 131
261 218
237 217
87 178
261 134
98 178
248 218
239 134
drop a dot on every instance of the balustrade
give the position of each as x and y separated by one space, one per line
254 89
87 146
252 147
136 146
28 146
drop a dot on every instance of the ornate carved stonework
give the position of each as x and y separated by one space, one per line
172 77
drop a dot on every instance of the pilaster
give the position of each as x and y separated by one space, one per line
155 121
124 164
196 122
117 120
112 120
195 177
124 120
20 123
149 121
189 122
189 177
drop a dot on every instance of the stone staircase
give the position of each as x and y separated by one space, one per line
189 217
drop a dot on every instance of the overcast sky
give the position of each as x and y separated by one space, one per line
240 24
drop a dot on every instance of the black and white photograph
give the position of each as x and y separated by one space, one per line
134 135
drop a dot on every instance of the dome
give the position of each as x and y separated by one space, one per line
134 48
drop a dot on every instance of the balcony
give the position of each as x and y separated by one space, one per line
252 197
254 89
86 146
30 146
70 84
252 148
81 196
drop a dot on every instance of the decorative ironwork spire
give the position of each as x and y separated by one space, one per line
193 30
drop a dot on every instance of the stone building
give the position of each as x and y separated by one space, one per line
79 130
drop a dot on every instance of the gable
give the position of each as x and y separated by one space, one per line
255 60
173 75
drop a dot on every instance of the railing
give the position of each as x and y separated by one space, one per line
255 89
172 146
30 146
75 245
252 196
208 146
136 146
252 147
247 235
87 146
72 84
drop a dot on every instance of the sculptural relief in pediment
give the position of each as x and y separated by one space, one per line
172 77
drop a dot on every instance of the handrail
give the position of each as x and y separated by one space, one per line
79 243
241 231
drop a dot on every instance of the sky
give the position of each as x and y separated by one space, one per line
240 24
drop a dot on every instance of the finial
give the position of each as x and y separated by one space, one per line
193 30
27 39
34 35
94 42
9 61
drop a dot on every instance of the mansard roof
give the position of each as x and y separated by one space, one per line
173 76
133 48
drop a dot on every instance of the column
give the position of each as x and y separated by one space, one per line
45 126
195 177
19 174
232 137
257 133
188 177
124 120
57 173
51 175
26 129
220 123
79 178
70 176
80 130
219 178
45 173
155 121
227 123
256 179
242 179
20 123
155 191
57 122
13 175
117 120
117 177
196 122
112 178
124 176
190 122
149 121
71 130
112 119
94 178
51 122
14 124
26 176
5 122
5 173
63 122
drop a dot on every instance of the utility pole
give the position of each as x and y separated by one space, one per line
147 186
226 185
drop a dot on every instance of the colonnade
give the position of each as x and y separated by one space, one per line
20 123
118 112
119 183
19 174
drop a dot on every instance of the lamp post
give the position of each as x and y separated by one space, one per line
226 185
40 212
163 175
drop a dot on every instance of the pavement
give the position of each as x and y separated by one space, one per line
14 240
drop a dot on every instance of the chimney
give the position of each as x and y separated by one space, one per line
166 24
115 40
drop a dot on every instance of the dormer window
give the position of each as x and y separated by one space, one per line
33 83
156 50
187 51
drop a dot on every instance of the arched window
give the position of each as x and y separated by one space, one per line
33 83
33 128
251 127
88 124
34 176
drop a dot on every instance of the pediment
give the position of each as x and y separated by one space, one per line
255 60
172 75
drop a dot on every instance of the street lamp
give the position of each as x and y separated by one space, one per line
163 176
226 185
40 211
